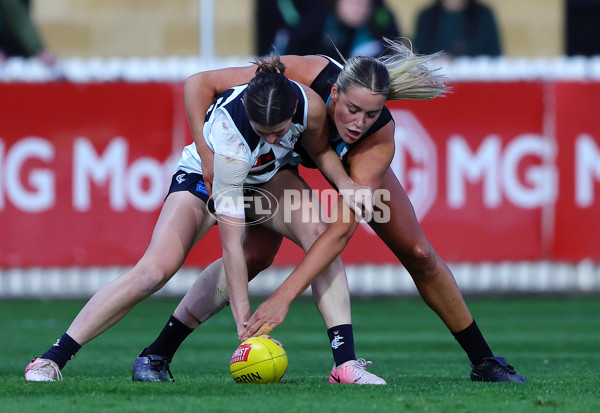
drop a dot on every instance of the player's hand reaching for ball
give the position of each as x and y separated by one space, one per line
267 316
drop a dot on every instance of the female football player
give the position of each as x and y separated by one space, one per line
251 130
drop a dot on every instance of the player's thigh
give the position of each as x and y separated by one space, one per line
398 227
182 222
260 247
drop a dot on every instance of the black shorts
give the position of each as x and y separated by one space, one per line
192 183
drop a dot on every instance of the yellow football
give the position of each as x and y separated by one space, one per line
258 360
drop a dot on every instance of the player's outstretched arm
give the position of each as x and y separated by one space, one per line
326 248
230 175
368 164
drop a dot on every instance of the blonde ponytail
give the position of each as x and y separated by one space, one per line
398 74
410 76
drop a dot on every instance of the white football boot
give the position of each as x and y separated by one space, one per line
354 371
42 370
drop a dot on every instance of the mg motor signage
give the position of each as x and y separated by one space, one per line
495 171
84 169
576 219
415 161
478 170
491 152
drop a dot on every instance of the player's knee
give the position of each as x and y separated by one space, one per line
420 259
310 233
258 260
187 317
152 279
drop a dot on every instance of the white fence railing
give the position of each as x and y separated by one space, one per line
364 280
138 69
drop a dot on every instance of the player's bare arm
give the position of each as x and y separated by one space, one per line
368 165
230 175
326 248
231 231
303 69
370 159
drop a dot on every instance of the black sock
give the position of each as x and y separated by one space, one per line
169 339
63 351
473 343
342 343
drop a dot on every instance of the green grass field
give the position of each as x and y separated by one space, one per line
553 341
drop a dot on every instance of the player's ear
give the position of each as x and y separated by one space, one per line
334 92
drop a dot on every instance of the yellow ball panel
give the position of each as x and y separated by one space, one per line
269 371
258 360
